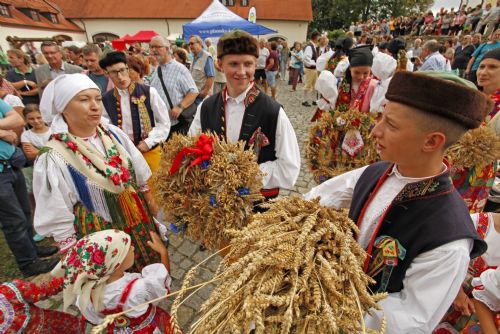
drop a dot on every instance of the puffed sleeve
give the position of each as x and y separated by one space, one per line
55 196
155 282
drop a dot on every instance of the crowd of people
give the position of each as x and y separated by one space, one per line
452 22
81 131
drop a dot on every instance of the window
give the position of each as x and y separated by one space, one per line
104 36
35 16
53 18
244 3
4 10
227 2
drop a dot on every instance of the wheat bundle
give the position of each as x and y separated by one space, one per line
324 147
209 192
295 269
476 148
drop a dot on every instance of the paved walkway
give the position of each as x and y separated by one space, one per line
184 253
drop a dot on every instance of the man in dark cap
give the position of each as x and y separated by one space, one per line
242 112
414 225
136 108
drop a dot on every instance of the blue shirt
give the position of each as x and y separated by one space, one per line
6 149
481 51
434 62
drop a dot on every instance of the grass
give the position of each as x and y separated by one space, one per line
8 267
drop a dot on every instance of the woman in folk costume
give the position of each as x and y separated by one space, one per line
19 314
477 305
90 176
474 182
330 60
95 279
358 84
335 62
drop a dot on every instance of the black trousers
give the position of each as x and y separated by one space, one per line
15 216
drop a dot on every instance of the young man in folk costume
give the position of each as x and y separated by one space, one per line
413 224
243 112
90 176
135 108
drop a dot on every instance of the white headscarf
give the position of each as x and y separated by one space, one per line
58 94
384 67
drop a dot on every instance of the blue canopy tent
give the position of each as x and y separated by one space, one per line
217 20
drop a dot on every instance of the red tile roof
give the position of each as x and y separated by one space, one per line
18 18
294 10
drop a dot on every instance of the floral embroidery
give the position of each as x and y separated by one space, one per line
417 189
333 63
116 172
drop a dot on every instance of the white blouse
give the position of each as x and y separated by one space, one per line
153 282
433 279
56 194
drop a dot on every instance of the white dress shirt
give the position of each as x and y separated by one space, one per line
308 53
159 132
56 194
434 277
282 172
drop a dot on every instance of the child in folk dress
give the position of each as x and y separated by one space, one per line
32 140
95 278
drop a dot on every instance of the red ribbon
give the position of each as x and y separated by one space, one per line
202 151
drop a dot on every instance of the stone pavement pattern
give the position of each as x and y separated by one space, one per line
184 253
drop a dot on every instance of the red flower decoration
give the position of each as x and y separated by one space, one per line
89 249
125 176
98 257
109 239
116 179
72 146
355 122
72 258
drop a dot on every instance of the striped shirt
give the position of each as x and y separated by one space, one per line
178 82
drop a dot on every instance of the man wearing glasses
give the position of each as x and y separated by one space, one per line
174 83
202 69
55 67
135 108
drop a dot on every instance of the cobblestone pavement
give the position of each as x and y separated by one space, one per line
184 253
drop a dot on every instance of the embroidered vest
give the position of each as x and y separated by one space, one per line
198 70
314 55
109 101
422 217
263 113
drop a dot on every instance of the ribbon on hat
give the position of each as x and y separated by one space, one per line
203 151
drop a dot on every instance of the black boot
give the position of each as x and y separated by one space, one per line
45 251
39 267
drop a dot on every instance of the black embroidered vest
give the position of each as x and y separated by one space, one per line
314 55
261 111
109 102
423 216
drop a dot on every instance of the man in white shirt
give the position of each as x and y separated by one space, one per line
243 112
414 225
310 73
260 72
136 109
432 59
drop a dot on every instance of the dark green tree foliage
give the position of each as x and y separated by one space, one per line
334 14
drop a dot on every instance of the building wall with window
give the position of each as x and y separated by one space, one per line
290 30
